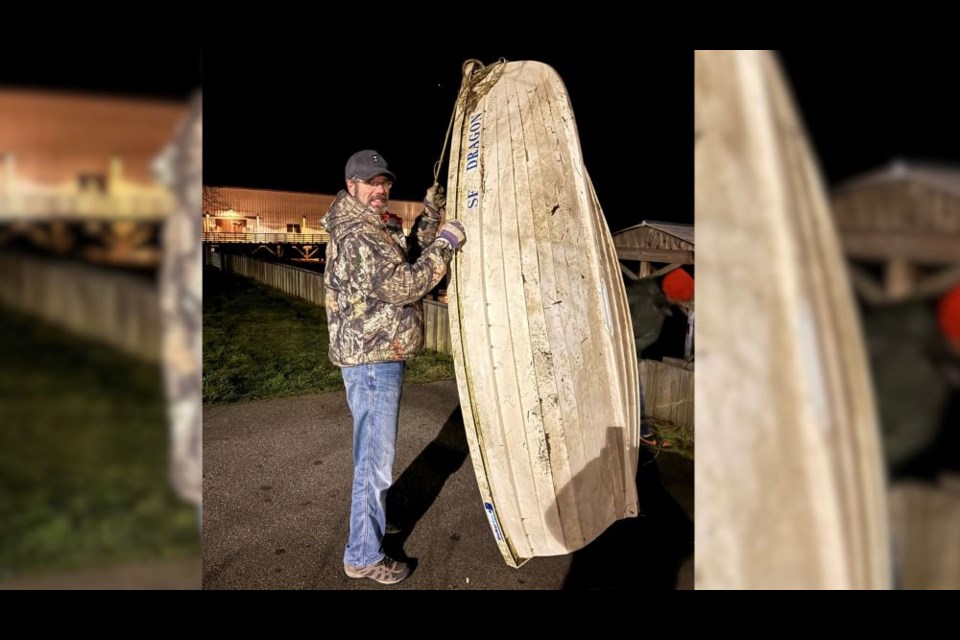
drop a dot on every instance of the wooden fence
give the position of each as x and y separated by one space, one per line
436 327
668 391
116 308
308 285
294 281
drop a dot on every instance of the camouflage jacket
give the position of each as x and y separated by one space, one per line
180 166
372 290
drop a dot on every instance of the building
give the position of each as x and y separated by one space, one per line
77 173
268 219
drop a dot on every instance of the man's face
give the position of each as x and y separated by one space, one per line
374 193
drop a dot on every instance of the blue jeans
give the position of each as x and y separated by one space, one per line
373 393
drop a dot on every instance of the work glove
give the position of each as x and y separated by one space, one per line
435 200
452 231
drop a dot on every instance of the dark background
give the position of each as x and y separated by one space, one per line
169 75
866 107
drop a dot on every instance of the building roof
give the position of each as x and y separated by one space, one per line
904 202
684 232
943 178
251 202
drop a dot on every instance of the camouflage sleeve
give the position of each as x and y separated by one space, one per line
181 294
425 228
391 278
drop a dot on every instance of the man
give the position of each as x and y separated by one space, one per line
915 372
649 306
375 319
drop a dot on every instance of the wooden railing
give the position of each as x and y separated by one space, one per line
83 206
266 238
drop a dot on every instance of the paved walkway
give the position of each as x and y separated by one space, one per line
277 476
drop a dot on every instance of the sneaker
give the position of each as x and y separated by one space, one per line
387 571
648 438
391 529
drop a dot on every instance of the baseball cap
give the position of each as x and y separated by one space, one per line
366 164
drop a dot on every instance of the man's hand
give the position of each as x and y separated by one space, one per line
435 200
452 231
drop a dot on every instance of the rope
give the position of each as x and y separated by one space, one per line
467 85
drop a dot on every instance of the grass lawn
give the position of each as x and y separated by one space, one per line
260 343
83 456
673 439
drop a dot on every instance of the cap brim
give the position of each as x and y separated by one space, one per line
385 172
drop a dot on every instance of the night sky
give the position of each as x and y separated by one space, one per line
865 107
169 75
